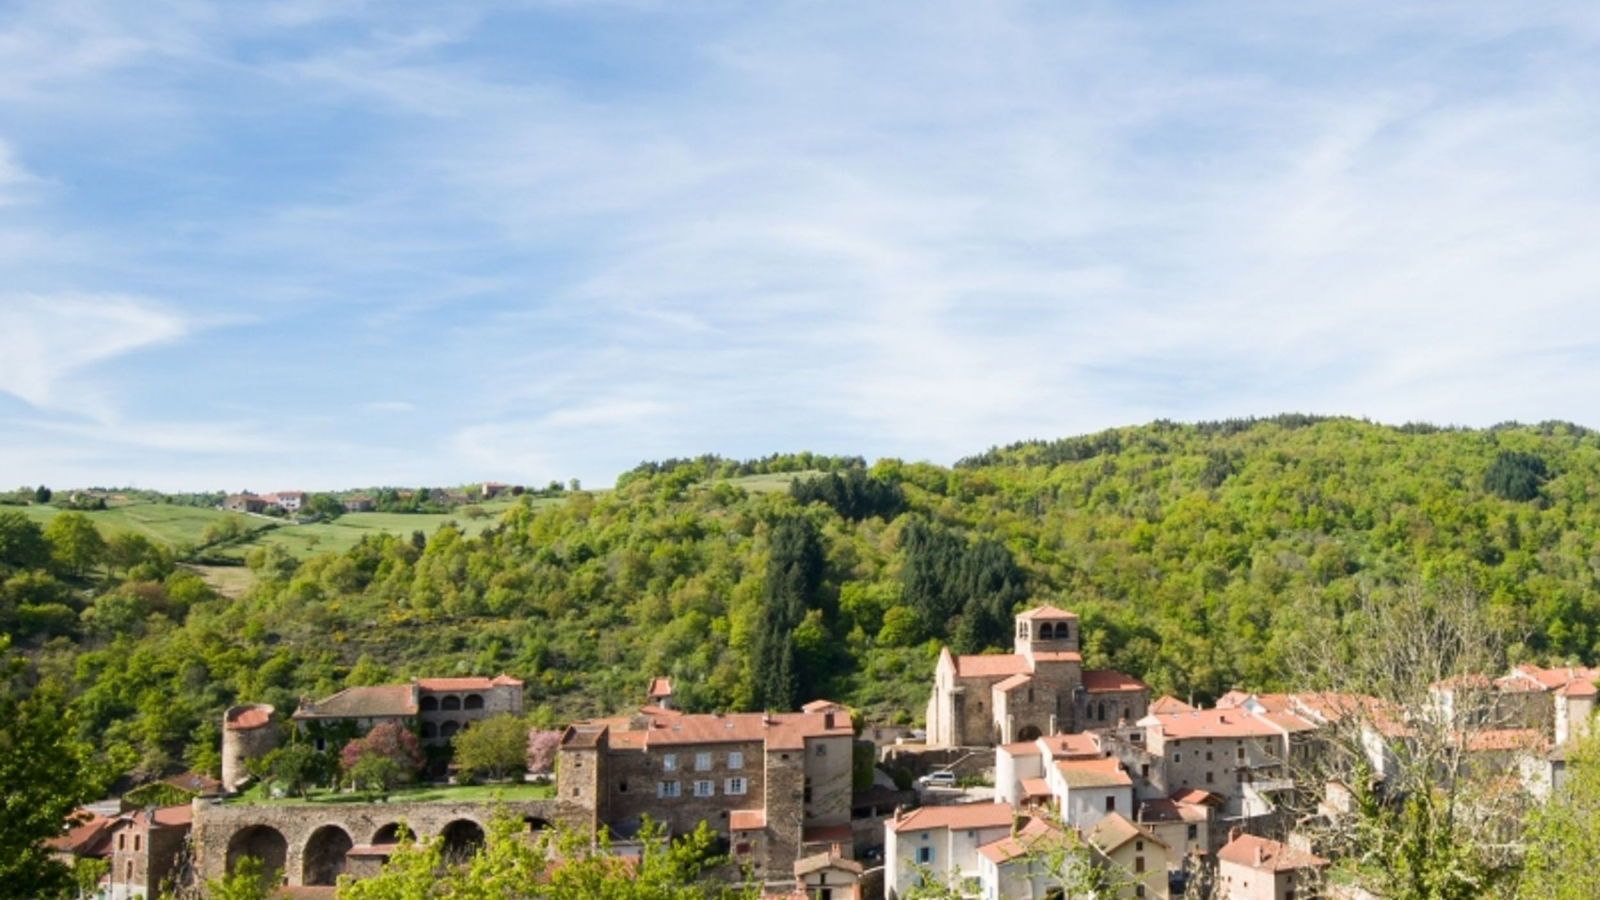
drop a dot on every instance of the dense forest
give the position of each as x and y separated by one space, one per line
1192 552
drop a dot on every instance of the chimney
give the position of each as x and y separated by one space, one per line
1233 834
1261 854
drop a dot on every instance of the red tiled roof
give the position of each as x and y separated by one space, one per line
471 683
1035 787
194 781
1103 680
1024 841
1197 797
1165 809
1232 723
1047 612
747 820
244 718
84 832
1113 830
1506 739
961 815
1070 746
1577 689
990 665
1169 704
1014 682
1068 656
168 816
819 861
780 731
817 706
1268 856
1093 773
1021 748
660 686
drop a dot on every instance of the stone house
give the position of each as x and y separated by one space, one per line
358 503
828 876
1040 688
245 503
1028 864
437 707
1255 868
1088 790
776 785
145 849
1232 752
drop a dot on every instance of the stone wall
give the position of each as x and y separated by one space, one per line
785 805
218 826
632 777
920 759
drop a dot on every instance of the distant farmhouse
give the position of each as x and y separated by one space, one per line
287 501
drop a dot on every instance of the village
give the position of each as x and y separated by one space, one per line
1033 772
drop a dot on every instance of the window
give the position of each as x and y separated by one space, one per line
136 841
1139 846
1102 712
702 762
735 760
1138 864
924 855
705 787
669 762
1209 778
1138 890
666 789
1144 771
1177 757
822 749
622 787
734 786
1241 754
1111 804
1208 756
122 842
1030 695
1194 832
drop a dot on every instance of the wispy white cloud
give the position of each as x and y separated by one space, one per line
51 339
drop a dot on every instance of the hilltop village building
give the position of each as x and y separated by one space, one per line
439 707
1039 689
776 785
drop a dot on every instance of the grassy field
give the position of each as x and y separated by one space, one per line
423 794
767 484
174 525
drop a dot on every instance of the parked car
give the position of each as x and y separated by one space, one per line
943 779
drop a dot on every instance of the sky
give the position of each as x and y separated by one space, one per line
332 243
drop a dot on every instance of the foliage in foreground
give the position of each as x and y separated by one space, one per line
511 865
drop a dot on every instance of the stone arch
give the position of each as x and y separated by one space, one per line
430 703
387 834
262 842
449 729
536 824
1028 733
450 703
1102 711
429 730
461 839
323 859
473 701
1047 632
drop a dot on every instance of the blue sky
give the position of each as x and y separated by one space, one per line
320 244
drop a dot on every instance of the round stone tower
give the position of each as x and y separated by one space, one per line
248 732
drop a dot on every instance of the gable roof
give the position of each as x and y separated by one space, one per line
660 686
1014 682
658 727
1072 746
990 665
1102 680
818 862
1035 833
961 815
1114 830
380 701
1267 856
1093 773
1047 612
471 683
1169 704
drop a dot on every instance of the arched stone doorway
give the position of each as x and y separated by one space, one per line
462 838
323 860
387 834
262 842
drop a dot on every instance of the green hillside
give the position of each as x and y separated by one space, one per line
1194 553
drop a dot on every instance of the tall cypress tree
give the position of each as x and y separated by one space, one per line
793 576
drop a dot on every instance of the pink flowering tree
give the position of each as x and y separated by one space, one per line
542 751
386 756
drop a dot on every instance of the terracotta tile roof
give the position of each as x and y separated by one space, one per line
1577 689
363 702
961 815
471 683
824 834
820 861
582 735
1072 746
168 816
1497 739
1035 787
1022 748
1267 856
1532 677
1227 723
1047 612
196 782
660 686
1114 830
1232 699
990 665
244 718
84 833
747 820
1102 680
817 706
1014 682
1037 834
1165 809
1168 704
1093 773
1067 656
656 727
1196 797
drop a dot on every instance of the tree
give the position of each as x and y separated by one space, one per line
793 574
542 747
22 542
298 767
386 756
1564 831
249 880
494 747
1515 476
44 776
42 494
75 544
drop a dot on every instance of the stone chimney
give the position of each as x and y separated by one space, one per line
1261 854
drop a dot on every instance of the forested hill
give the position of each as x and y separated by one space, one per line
1192 552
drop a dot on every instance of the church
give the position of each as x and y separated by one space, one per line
1039 689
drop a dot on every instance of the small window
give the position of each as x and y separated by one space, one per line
574 792
1209 777
822 749
669 762
122 842
1138 890
1194 832
705 787
702 762
1111 804
735 786
1177 757
1208 756
1138 864
735 760
1138 845
137 840
1241 754
622 787
1144 770
924 855
666 789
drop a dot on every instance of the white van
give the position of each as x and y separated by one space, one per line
944 779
